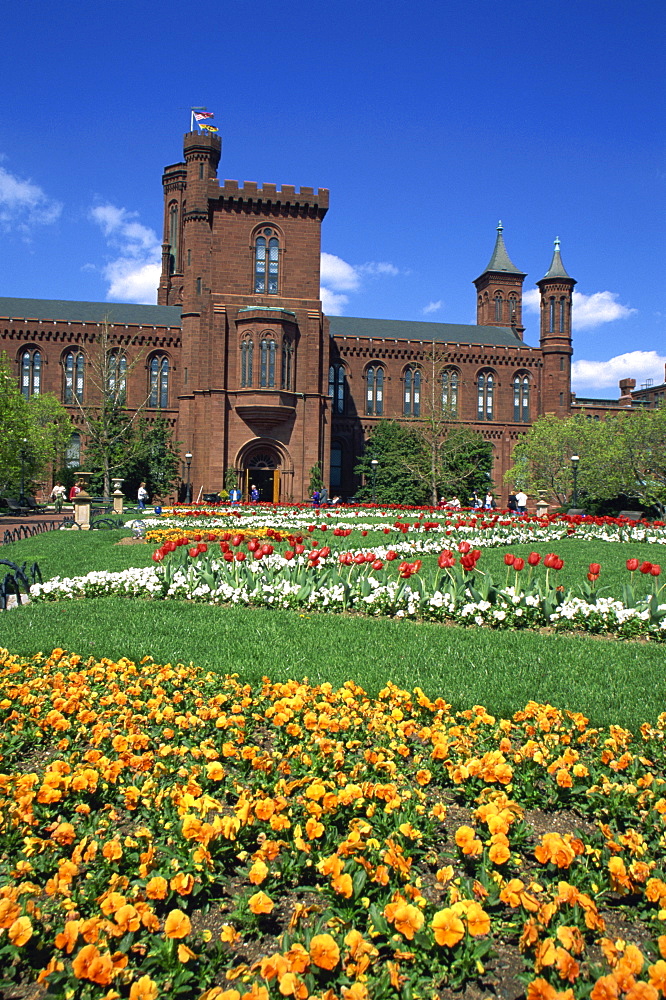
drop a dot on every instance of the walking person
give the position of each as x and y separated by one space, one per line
58 496
142 496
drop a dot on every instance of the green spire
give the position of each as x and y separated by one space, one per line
500 260
556 269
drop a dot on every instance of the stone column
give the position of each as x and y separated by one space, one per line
82 502
117 497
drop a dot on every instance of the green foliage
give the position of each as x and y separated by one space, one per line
412 465
230 479
39 428
154 458
622 457
316 479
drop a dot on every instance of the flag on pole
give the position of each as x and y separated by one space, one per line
201 115
208 128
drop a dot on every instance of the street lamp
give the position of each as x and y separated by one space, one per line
374 463
574 468
188 489
22 454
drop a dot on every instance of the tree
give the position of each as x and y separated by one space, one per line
398 450
623 456
316 479
109 426
152 458
37 429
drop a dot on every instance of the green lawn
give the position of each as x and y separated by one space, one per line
611 681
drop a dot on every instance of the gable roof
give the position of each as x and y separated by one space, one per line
64 311
445 333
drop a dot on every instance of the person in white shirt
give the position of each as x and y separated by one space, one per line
521 502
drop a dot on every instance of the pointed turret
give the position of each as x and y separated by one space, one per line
556 289
500 290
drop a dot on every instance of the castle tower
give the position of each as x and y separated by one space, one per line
500 291
556 289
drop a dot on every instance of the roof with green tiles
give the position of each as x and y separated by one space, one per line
63 311
445 333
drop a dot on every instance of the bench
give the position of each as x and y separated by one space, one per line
631 515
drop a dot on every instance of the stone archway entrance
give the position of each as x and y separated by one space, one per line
261 469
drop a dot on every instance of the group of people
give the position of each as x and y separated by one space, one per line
517 502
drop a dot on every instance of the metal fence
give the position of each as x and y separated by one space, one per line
20 531
19 578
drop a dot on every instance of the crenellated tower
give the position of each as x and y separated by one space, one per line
500 290
556 288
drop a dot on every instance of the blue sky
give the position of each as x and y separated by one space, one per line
428 122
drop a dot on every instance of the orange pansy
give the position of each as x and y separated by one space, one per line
260 903
324 951
448 928
177 924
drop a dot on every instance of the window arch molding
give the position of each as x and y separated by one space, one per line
499 306
267 246
159 371
338 386
486 381
247 360
287 371
267 355
412 377
73 362
374 376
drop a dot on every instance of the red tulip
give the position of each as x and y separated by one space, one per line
324 551
550 560
299 549
378 564
224 546
197 538
645 567
518 564
655 569
508 559
211 537
240 557
288 555
446 559
194 552
534 558
228 555
157 556
237 540
592 577
595 568
202 547
464 547
632 565
391 555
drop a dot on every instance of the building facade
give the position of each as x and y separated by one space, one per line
249 372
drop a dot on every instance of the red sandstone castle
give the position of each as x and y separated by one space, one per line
252 375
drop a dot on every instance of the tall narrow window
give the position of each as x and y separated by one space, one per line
173 235
31 373
266 263
513 309
521 399
374 391
450 392
563 307
551 314
336 465
498 307
287 365
411 404
267 373
116 376
159 381
337 387
247 351
73 452
486 387
73 388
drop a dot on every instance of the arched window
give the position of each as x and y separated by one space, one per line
287 364
374 391
173 235
266 262
267 370
563 312
159 381
486 393
31 373
116 376
450 392
411 405
73 365
551 314
337 388
499 302
247 352
521 399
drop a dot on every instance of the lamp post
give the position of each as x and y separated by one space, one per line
574 468
22 454
374 463
188 491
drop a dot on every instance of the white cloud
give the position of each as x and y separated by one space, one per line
640 365
24 204
432 307
339 277
134 273
588 310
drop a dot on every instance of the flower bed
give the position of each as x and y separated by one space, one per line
168 832
242 569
